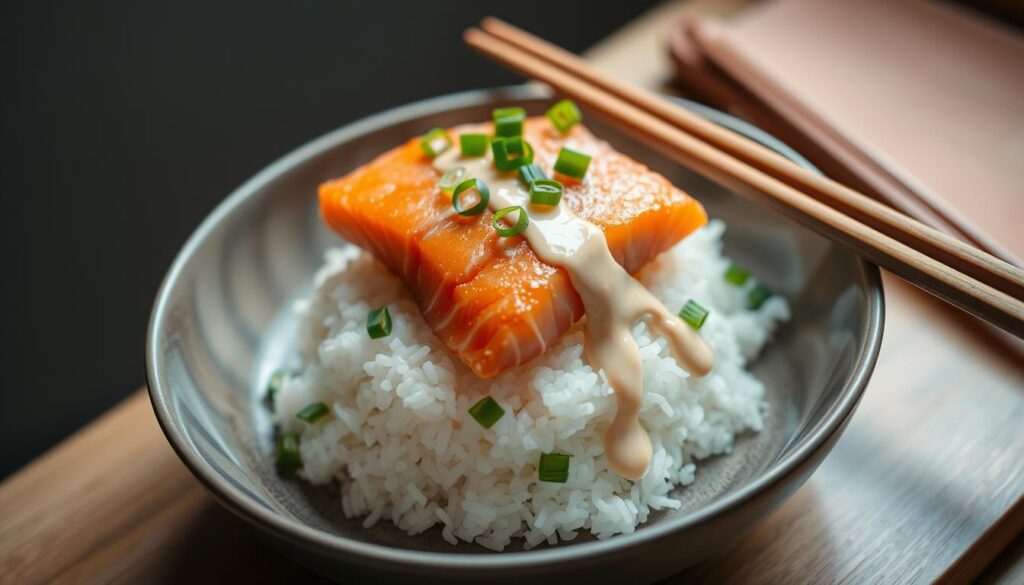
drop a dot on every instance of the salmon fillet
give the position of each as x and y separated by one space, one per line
489 299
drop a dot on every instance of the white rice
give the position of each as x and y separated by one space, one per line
404 448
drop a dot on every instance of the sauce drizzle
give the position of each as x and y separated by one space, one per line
613 300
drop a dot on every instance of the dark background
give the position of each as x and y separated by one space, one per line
124 123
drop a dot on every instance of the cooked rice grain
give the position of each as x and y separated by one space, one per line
405 449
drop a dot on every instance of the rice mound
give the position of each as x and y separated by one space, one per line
404 448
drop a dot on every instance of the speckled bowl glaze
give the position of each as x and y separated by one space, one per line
222 320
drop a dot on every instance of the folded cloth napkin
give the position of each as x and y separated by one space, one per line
934 88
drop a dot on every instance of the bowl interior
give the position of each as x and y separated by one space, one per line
223 321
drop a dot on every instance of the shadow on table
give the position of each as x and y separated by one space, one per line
218 547
756 547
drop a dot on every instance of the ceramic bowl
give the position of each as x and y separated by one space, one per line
222 321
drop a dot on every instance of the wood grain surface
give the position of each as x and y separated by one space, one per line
114 504
927 482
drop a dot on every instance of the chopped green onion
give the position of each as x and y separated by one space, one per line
509 126
736 275
694 314
481 189
274 385
288 456
530 173
451 179
435 142
313 412
553 467
518 228
473 144
487 412
378 323
511 153
546 192
564 115
572 164
508 121
506 112
757 296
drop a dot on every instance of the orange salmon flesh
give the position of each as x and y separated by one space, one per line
489 299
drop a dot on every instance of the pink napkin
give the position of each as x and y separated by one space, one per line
938 90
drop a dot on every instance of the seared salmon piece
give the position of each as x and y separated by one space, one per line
490 300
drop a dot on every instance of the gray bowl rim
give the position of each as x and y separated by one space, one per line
315 540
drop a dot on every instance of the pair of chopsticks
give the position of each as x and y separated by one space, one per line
709 62
960 274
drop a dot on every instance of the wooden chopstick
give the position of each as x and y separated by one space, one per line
878 178
927 273
965 258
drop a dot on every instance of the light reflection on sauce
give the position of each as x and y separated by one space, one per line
613 300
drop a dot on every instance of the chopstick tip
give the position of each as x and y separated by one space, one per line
471 34
495 25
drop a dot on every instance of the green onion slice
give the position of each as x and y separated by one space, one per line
572 164
508 121
288 456
435 142
451 179
694 314
510 112
508 126
487 412
564 115
546 192
530 173
757 296
378 323
515 230
553 467
736 275
511 153
481 189
275 383
473 144
313 412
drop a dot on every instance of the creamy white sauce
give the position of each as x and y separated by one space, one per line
613 300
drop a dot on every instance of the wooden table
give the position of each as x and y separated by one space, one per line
926 484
